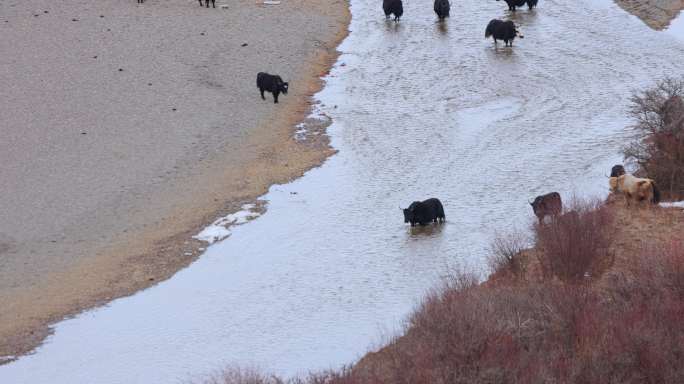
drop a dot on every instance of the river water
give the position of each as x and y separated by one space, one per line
419 110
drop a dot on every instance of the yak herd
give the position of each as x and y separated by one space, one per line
497 29
633 189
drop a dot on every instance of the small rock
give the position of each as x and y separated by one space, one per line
36 15
244 45
46 12
150 84
95 57
173 109
151 279
101 16
84 133
74 19
120 69
202 33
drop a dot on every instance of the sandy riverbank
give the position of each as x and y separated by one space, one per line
657 14
127 128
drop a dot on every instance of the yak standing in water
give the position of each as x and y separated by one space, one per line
424 212
393 7
512 4
502 30
442 9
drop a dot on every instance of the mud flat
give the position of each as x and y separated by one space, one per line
127 128
657 14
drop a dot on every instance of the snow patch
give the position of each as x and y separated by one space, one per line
316 117
673 204
219 229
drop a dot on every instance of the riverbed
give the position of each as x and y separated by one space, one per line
418 109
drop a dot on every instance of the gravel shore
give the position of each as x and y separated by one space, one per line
657 14
126 128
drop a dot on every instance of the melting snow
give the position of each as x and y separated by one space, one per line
219 230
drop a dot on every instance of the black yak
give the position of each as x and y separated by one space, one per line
512 4
442 8
549 204
617 171
424 212
393 7
502 30
213 3
271 83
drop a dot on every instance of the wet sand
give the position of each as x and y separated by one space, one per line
127 128
657 14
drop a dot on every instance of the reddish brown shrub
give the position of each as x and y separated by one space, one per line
658 149
626 328
505 257
576 245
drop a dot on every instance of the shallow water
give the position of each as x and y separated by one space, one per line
419 110
676 27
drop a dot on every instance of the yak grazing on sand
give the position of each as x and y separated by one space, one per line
545 205
502 30
213 3
512 4
635 188
271 83
393 7
424 212
442 8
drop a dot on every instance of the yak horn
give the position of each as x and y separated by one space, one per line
530 201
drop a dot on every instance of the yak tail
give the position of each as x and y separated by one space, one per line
656 193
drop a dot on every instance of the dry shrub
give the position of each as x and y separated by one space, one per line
576 244
505 257
627 330
241 375
658 149
551 332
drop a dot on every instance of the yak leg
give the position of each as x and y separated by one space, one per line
262 94
200 2
275 97
213 3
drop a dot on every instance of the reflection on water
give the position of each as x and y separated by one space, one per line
313 282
